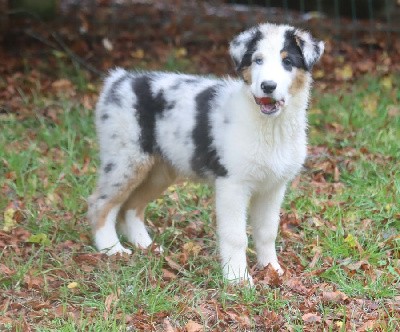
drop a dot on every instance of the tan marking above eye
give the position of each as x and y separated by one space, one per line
298 41
246 75
300 80
284 54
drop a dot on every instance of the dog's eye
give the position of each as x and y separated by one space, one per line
287 62
258 61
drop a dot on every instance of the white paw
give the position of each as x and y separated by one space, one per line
116 249
275 265
238 277
135 230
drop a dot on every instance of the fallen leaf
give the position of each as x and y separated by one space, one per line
242 319
317 254
269 276
167 326
180 52
192 326
72 285
138 54
39 238
62 84
311 318
357 265
192 248
107 44
351 240
33 282
111 300
296 285
172 264
9 221
344 73
6 271
12 215
369 325
370 104
387 82
393 111
168 275
334 297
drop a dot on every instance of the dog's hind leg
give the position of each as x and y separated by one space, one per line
131 221
116 182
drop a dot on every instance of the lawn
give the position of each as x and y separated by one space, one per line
339 240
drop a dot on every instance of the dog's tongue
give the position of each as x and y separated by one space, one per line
267 104
265 101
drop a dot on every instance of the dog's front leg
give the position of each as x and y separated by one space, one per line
264 216
231 205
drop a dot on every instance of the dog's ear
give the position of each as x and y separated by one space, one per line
243 46
311 48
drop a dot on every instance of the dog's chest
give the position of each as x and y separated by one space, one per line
270 153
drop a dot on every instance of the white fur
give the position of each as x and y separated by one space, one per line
261 153
106 238
135 230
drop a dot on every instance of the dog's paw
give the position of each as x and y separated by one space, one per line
117 249
275 265
239 278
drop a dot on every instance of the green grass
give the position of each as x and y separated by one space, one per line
48 165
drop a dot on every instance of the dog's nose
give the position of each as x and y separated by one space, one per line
268 86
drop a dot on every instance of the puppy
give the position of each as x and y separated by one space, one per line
247 136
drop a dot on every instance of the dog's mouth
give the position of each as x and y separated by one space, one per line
269 105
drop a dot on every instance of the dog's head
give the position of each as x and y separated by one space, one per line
275 61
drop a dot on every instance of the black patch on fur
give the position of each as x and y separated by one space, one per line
294 51
205 156
171 105
103 197
104 117
113 97
147 108
191 80
176 86
236 42
109 167
251 46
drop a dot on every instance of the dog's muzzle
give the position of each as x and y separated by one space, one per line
269 105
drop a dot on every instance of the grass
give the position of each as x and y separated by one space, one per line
346 222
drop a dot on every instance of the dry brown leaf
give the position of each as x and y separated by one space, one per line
6 271
172 264
168 326
90 259
111 300
344 73
62 84
296 285
393 111
269 276
334 297
311 318
192 248
369 325
242 319
192 326
370 104
357 265
168 275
